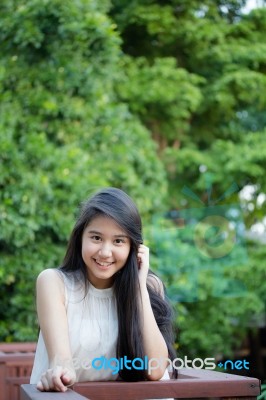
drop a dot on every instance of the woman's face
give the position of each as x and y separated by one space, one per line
105 249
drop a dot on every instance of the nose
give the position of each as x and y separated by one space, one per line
105 251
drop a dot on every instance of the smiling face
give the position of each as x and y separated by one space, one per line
105 249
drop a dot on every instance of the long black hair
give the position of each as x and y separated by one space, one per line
116 204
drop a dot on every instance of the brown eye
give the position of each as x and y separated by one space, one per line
96 238
119 241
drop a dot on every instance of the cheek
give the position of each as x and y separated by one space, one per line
83 251
126 253
86 248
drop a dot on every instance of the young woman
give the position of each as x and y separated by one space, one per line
103 312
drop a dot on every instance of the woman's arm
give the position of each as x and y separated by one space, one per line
53 323
153 341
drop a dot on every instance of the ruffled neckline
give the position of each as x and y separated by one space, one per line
104 293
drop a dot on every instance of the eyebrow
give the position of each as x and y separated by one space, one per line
117 236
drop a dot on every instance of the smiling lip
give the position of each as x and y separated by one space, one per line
103 265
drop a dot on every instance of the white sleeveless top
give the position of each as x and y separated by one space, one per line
93 331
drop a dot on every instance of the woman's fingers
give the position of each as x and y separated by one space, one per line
56 381
67 377
40 386
57 378
143 261
143 255
45 382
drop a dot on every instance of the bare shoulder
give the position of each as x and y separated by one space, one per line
50 280
155 283
50 275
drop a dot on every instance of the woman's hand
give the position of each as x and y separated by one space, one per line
57 379
153 341
144 263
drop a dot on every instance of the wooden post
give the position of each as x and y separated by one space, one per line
16 360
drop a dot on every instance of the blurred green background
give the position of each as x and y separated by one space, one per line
166 100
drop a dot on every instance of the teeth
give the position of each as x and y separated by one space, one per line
103 264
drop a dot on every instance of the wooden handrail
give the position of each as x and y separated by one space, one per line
29 392
28 347
191 383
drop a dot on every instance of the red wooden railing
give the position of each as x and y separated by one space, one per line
191 384
16 360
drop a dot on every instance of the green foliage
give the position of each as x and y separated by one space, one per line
211 293
63 136
148 96
162 95
262 396
195 75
